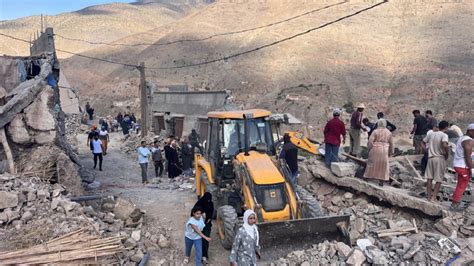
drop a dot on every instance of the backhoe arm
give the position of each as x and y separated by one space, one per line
302 142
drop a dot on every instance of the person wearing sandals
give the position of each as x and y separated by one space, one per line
205 202
193 235
246 249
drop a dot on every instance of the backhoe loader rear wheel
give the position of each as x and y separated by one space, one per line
311 207
226 225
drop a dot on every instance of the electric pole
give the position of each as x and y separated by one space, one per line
143 100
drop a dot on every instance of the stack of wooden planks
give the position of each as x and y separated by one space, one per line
77 245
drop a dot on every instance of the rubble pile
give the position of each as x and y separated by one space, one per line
133 141
73 127
33 212
386 235
408 237
183 182
417 248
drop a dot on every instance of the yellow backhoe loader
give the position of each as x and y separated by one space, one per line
240 168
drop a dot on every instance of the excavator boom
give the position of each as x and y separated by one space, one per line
303 142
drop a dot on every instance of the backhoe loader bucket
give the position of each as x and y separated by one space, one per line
277 238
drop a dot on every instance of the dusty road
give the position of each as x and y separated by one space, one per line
121 176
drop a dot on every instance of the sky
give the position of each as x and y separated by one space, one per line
12 9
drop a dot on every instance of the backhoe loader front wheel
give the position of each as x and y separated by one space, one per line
226 225
311 207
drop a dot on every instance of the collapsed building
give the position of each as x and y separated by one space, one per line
32 117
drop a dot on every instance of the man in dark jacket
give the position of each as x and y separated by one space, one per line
390 126
289 153
194 140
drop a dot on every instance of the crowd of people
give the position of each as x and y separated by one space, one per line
430 138
179 156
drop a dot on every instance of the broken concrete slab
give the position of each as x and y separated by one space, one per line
124 208
342 169
38 115
389 194
356 258
8 199
17 130
24 94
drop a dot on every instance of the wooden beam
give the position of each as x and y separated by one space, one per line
8 151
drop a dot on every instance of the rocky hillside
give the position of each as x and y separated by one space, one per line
101 23
394 57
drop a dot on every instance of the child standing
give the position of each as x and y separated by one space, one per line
194 236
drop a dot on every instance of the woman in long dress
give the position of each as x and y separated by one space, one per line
246 249
380 148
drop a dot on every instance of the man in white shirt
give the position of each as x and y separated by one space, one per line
143 158
96 146
438 153
462 163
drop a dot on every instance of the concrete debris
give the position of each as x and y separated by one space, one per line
34 212
136 235
367 219
8 199
356 258
180 183
342 169
73 127
163 242
124 208
133 141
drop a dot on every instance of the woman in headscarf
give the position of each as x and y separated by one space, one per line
380 148
171 153
246 249
187 154
207 206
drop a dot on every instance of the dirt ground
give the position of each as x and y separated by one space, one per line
121 176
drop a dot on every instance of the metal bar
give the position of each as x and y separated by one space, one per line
86 198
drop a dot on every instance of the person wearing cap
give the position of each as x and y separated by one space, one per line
420 128
356 129
333 131
462 163
91 136
438 153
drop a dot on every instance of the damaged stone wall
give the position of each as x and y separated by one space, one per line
34 124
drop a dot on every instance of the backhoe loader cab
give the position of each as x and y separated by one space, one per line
231 133
240 168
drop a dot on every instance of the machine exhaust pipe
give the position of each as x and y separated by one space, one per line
246 134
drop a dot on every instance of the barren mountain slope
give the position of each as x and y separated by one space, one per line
394 57
101 23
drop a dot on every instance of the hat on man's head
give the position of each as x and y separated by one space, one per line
337 111
471 126
361 106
